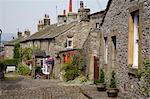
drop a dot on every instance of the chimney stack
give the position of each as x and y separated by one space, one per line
64 13
27 33
81 4
19 34
46 20
70 6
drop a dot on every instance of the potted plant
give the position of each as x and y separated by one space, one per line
100 83
112 91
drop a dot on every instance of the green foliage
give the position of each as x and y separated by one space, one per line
16 51
38 69
113 80
23 69
145 79
2 65
82 79
74 67
71 71
96 81
79 61
26 53
6 62
101 77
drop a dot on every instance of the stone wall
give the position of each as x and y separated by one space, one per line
116 24
9 53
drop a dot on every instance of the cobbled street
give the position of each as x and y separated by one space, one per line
19 87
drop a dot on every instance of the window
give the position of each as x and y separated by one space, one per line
70 43
41 63
113 51
106 49
134 41
97 25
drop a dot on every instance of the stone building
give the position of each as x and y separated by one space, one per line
125 41
61 37
116 38
9 46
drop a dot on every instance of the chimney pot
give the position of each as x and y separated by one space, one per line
64 13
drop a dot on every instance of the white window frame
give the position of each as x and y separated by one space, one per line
68 40
106 48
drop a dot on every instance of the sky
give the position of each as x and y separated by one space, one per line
18 15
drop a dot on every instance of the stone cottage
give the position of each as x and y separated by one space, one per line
66 35
125 41
9 46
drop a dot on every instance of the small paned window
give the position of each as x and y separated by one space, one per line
97 25
70 43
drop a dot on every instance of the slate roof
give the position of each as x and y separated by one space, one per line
50 32
13 42
38 34
58 30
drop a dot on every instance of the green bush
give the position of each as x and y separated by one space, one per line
74 67
11 62
6 62
16 51
38 69
2 65
145 79
23 69
113 80
101 77
71 72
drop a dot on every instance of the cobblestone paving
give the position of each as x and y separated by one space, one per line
21 88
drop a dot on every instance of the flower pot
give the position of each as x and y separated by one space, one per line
112 92
101 86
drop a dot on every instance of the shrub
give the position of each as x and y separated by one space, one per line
145 79
11 62
113 80
101 77
74 67
16 51
71 72
6 62
38 69
23 69
2 65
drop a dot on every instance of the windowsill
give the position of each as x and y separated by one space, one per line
133 72
69 47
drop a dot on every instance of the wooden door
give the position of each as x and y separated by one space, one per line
96 68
